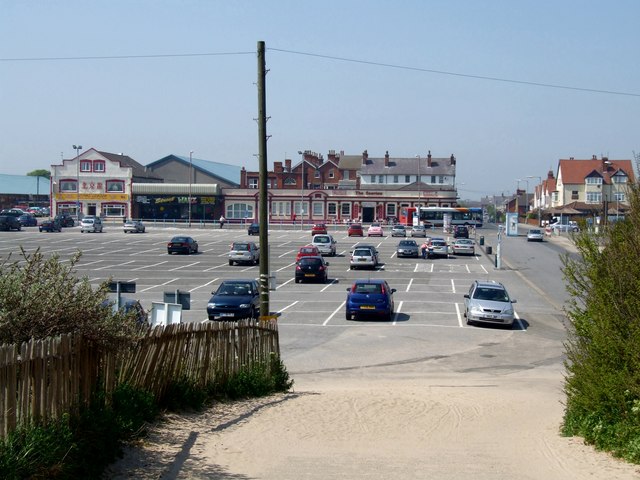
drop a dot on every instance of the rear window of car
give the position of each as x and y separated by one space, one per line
179 240
240 246
321 240
362 252
310 261
307 250
367 288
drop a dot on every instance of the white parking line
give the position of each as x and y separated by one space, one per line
213 268
204 285
288 252
287 307
150 266
286 266
453 286
334 313
409 285
115 265
160 285
395 315
330 284
459 315
143 251
517 317
282 285
183 266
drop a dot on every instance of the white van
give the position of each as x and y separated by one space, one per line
91 224
325 244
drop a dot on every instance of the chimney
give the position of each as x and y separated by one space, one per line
594 157
365 157
243 178
277 167
550 175
386 158
287 165
453 159
429 159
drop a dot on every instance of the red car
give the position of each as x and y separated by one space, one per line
307 251
355 230
319 228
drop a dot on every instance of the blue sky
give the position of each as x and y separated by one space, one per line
148 108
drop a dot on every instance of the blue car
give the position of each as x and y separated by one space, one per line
28 220
234 299
370 298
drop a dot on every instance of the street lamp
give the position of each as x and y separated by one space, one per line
77 148
301 187
190 177
539 200
418 183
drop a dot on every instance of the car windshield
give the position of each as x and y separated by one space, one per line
535 231
234 289
408 243
367 288
492 294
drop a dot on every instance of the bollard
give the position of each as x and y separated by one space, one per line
489 250
481 240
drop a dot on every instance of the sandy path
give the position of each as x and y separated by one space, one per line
438 425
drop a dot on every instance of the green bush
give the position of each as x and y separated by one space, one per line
602 384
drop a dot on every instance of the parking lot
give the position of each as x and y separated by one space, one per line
429 292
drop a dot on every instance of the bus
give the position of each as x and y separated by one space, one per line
436 216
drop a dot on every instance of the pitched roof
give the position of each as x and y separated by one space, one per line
24 185
408 166
575 171
138 170
223 171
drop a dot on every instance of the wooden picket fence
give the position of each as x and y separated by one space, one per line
44 379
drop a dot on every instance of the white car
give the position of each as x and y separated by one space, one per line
463 246
325 244
91 225
535 235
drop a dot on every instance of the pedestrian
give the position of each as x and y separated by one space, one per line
222 220
424 247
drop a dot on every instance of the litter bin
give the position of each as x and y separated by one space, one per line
481 239
489 250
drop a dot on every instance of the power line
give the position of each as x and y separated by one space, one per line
120 57
456 74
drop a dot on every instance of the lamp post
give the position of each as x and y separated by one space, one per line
190 177
77 148
418 185
539 200
301 188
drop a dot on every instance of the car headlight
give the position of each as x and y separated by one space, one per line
508 311
245 305
211 305
476 310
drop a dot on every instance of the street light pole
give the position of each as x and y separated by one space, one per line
190 179
539 200
77 148
301 189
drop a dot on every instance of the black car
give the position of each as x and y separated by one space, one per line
254 229
233 300
50 225
182 245
65 220
9 222
28 220
312 268
461 231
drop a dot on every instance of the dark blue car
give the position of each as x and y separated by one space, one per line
370 298
234 299
28 220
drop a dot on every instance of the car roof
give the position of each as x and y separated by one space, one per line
489 284
376 281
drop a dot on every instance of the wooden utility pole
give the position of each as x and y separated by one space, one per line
263 214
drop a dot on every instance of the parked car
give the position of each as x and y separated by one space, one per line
134 226
355 230
130 305
438 248
28 220
375 230
9 222
234 300
565 227
363 256
65 220
370 298
398 231
419 231
254 229
408 248
244 252
50 225
488 302
535 235
463 246
325 244
12 212
307 251
312 268
318 228
182 244
91 224
461 231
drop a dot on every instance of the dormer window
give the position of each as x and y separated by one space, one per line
594 180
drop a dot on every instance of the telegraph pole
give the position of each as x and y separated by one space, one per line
262 160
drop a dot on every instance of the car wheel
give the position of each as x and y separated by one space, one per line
230 262
297 280
390 316
347 315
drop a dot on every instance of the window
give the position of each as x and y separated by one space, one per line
373 179
395 179
85 166
345 210
575 195
619 197
407 178
281 209
332 209
316 174
115 186
68 185
305 208
380 178
391 210
98 166
331 174
433 179
290 181
346 174
554 197
253 183
113 209
239 210
594 197
594 180
318 209
619 179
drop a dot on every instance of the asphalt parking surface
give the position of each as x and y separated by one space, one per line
429 292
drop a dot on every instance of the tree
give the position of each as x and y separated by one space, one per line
40 173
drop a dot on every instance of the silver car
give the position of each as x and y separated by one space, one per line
244 252
438 248
133 226
488 302
363 256
325 244
91 225
535 235
463 246
419 231
407 248
398 231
